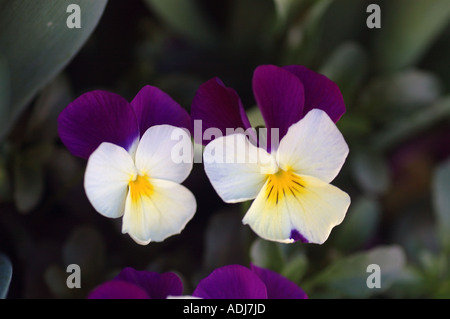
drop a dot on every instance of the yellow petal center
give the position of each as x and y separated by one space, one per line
140 187
282 184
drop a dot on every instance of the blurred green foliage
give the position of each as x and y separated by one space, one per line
37 45
395 82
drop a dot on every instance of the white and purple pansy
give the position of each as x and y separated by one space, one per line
132 169
289 176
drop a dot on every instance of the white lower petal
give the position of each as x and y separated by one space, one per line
108 172
165 152
236 168
307 213
160 212
313 146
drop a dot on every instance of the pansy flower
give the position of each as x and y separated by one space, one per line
228 282
138 155
289 181
136 284
239 282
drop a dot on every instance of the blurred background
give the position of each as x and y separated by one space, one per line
396 84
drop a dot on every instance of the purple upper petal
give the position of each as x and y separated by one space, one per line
278 287
217 106
96 117
320 92
157 286
155 107
280 97
231 282
118 290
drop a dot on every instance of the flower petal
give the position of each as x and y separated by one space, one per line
157 286
96 117
155 107
278 287
158 211
280 97
236 168
108 172
231 282
118 290
320 92
218 107
313 146
165 152
307 211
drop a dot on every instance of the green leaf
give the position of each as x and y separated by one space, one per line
250 29
5 185
287 8
305 47
225 240
282 7
360 224
324 27
347 277
42 120
255 117
408 29
28 174
55 278
354 126
295 268
411 125
4 89
5 275
347 67
409 284
86 248
441 202
184 17
37 45
394 96
371 171
267 254
443 292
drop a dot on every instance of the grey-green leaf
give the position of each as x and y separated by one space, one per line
184 17
37 44
441 202
347 66
282 7
295 268
4 89
86 248
267 254
28 173
371 171
408 126
286 8
397 95
5 275
348 277
223 232
408 29
360 224
311 31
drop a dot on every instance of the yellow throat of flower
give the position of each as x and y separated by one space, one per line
140 187
282 184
